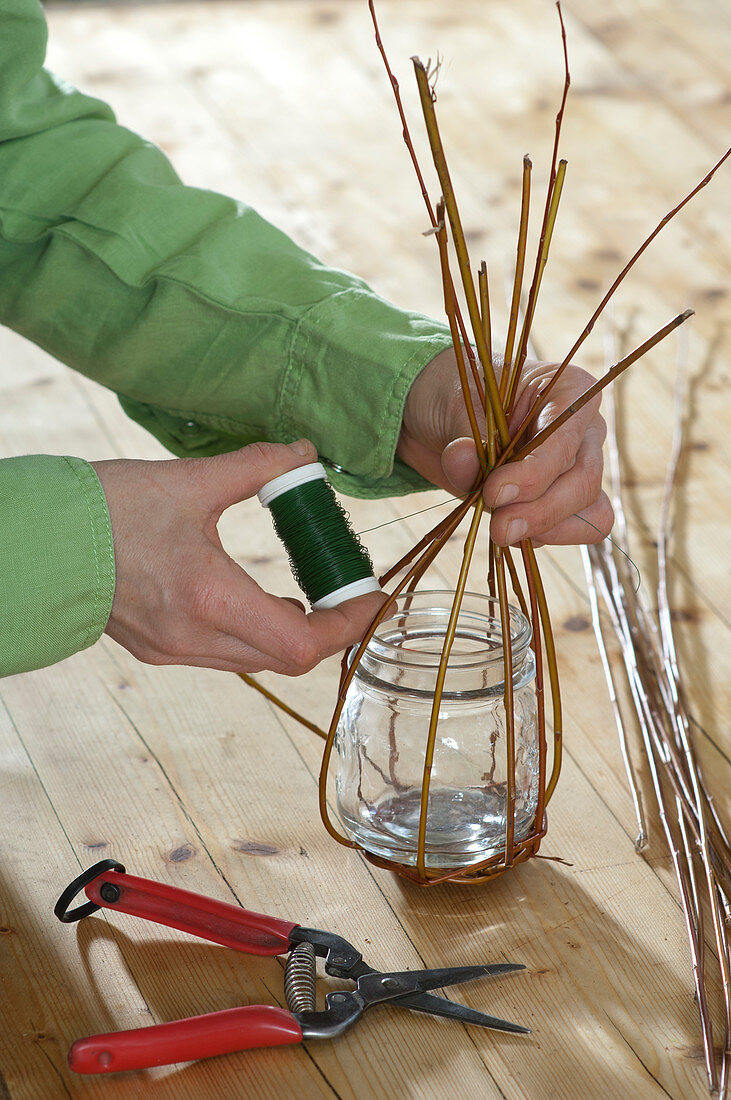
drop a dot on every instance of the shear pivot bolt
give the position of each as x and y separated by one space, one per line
389 983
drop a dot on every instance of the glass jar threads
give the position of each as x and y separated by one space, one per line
380 739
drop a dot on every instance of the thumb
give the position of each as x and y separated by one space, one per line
460 464
229 478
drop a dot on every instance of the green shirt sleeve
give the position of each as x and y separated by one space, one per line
56 560
214 328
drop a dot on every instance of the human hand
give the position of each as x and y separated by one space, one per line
179 597
554 494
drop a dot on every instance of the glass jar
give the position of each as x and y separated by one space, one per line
382 734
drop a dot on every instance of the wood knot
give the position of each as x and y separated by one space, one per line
179 855
684 615
612 255
325 16
253 847
714 293
576 623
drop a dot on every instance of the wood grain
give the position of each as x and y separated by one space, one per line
187 777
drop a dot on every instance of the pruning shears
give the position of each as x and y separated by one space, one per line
107 886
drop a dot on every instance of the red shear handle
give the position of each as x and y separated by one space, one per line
211 920
186 1040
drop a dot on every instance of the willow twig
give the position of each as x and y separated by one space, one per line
541 401
450 307
556 177
449 634
508 705
593 391
692 829
433 219
460 244
488 365
282 705
636 794
517 280
541 261
551 663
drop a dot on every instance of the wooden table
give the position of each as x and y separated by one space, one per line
189 777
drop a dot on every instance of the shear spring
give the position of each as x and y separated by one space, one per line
300 978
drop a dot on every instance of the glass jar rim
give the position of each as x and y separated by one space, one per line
482 609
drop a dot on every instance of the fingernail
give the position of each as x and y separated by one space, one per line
516 531
506 493
301 447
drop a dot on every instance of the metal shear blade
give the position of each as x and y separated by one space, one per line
375 987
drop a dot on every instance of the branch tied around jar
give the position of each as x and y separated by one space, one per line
439 732
475 792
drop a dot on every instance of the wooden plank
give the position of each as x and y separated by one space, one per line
192 779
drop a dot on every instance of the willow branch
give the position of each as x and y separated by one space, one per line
540 402
420 177
281 704
508 706
449 633
460 245
553 194
543 250
450 309
597 388
484 288
518 278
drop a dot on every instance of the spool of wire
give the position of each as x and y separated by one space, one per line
328 561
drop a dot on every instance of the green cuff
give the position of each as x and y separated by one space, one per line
352 361
56 560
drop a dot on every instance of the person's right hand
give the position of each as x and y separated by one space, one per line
553 495
179 597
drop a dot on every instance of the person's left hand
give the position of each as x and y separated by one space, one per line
554 494
180 599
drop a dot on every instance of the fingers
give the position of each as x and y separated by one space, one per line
226 479
295 644
533 476
278 628
537 497
460 465
588 526
548 515
339 627
434 416
223 619
180 599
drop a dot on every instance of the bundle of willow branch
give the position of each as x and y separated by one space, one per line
490 395
698 845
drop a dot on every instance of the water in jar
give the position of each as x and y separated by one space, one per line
383 729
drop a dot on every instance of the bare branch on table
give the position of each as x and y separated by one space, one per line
696 840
